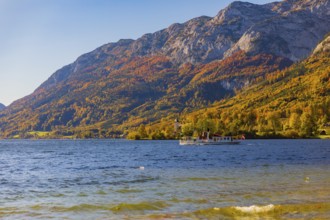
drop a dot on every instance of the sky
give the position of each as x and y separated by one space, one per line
38 37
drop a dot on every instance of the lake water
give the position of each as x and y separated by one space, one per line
119 179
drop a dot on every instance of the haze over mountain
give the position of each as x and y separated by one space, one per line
178 69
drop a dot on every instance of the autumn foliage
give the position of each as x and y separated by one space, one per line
256 95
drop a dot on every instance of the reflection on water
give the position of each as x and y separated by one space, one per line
98 179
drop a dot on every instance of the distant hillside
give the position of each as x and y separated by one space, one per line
179 69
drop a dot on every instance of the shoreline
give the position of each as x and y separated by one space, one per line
327 137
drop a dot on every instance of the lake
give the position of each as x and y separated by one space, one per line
119 179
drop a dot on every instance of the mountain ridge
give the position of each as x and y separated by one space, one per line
219 43
152 42
177 69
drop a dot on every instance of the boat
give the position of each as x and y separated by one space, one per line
207 140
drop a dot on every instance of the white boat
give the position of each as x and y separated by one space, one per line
215 140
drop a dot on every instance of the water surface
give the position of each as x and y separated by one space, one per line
119 179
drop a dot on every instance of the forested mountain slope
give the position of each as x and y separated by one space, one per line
179 69
291 103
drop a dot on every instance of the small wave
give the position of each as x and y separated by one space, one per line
189 200
58 195
11 211
270 211
37 207
142 179
255 209
117 208
76 208
197 179
81 194
109 167
101 192
48 151
142 206
126 191
37 158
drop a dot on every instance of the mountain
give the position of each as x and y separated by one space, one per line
2 106
292 103
178 69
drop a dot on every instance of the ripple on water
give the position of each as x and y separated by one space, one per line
101 192
142 206
189 200
141 179
188 179
115 208
127 191
82 194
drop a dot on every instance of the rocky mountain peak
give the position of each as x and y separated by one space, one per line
290 29
293 32
241 10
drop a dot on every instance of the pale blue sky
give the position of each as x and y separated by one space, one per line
37 37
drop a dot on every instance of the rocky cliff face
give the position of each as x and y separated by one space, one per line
324 46
293 31
289 29
2 106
